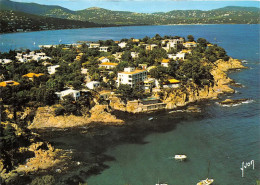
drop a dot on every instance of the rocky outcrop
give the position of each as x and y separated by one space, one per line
231 102
189 93
45 118
193 93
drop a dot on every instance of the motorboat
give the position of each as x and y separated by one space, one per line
180 157
205 182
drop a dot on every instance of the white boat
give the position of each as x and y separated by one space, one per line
206 182
180 157
150 119
161 184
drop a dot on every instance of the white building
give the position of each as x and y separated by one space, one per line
74 93
93 84
103 59
131 76
134 55
165 62
179 55
190 44
5 61
108 65
103 49
122 44
52 69
94 45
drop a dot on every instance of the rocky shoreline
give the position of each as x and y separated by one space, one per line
174 99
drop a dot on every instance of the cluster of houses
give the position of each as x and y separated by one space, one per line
130 76
22 57
31 56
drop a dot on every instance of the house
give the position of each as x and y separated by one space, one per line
103 49
149 83
74 93
136 40
31 76
171 83
108 65
165 62
103 59
172 43
122 44
179 55
105 94
131 76
94 45
84 71
150 47
143 66
190 44
118 55
186 51
8 83
134 55
52 69
93 84
5 61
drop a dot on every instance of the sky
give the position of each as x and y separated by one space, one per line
145 6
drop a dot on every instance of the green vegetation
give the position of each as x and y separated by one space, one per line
12 21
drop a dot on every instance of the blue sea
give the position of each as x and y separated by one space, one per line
217 141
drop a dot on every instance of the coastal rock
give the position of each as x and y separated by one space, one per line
233 102
45 118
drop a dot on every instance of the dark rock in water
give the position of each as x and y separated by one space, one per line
232 102
234 84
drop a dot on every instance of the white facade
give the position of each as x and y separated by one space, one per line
52 69
179 55
122 44
93 84
5 61
74 93
103 49
103 59
134 55
130 76
94 45
31 56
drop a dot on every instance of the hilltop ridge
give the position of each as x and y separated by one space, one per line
225 15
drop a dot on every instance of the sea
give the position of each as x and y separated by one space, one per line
222 143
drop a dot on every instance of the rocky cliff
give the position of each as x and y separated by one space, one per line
189 93
45 118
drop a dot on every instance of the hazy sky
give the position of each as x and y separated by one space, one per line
144 6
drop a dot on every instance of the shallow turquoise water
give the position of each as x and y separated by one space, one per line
223 137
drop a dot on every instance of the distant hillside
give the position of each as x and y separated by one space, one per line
11 21
225 15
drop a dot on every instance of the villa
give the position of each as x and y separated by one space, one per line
134 55
103 49
131 76
93 84
31 76
122 44
94 45
190 44
74 93
165 62
108 65
52 69
103 59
